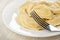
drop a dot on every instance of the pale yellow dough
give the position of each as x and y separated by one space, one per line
43 9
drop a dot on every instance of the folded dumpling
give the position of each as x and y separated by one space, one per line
55 21
43 11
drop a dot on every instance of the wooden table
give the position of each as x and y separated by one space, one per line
6 34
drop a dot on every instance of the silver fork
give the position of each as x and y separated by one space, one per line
41 22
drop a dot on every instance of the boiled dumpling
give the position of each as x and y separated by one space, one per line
55 21
43 11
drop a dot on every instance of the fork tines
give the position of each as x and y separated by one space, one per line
39 20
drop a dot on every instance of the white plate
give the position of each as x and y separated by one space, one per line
9 14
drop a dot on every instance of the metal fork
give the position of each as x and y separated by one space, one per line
42 23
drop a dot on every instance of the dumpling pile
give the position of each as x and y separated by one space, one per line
48 11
